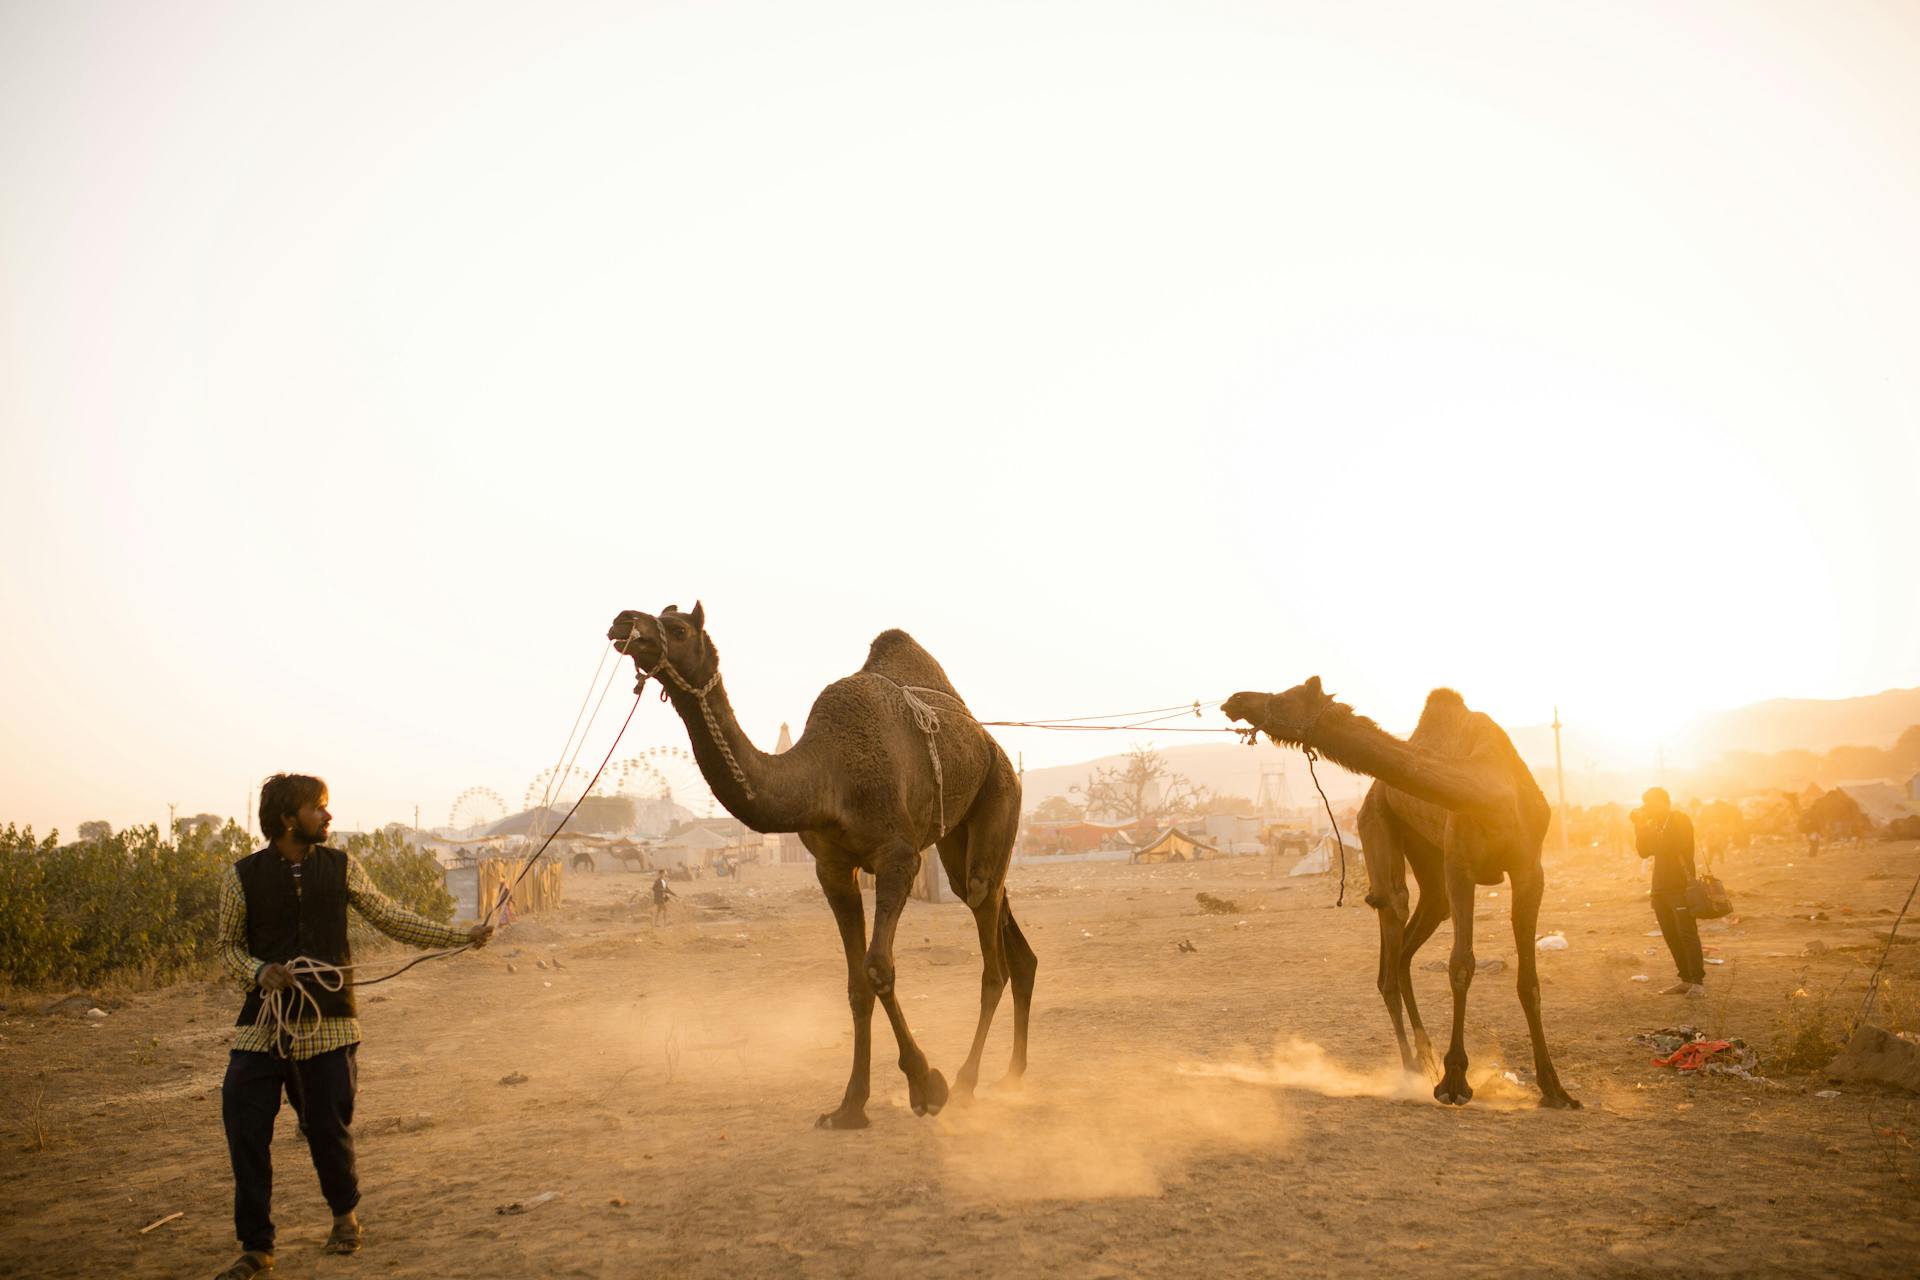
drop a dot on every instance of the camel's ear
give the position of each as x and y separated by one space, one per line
672 608
1313 685
699 615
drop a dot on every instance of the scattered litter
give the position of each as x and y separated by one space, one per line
161 1222
1651 933
515 1078
96 1014
1639 977
512 968
546 984
1715 960
556 960
1552 942
1687 1049
1827 1093
620 1202
1184 945
539 964
1216 906
521 1206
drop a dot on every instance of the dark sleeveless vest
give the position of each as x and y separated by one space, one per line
285 920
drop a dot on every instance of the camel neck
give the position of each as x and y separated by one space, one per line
769 799
1361 746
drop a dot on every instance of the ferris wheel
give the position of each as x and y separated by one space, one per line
554 786
671 773
474 806
634 776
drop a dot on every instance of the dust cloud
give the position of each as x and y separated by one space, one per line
1305 1066
1118 1130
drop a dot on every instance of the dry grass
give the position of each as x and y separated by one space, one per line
35 1114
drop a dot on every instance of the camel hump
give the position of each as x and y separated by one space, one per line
1444 699
899 657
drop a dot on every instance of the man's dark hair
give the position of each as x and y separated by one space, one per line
282 797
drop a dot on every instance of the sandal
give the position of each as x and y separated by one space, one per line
246 1266
344 1238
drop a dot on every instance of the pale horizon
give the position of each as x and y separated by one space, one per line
358 365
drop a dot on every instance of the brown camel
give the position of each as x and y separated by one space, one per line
889 762
1454 802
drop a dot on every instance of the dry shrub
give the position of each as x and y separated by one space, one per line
1810 1030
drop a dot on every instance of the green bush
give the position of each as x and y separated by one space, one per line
130 904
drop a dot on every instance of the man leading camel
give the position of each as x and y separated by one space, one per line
290 899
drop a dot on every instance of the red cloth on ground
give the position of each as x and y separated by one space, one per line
1692 1057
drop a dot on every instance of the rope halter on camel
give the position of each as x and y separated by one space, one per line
699 695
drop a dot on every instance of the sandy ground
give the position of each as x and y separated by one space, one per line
1237 1108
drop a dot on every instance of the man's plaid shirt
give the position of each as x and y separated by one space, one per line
375 907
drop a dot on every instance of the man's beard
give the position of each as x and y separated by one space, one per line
310 836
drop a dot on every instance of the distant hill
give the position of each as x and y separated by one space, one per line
1781 724
1807 724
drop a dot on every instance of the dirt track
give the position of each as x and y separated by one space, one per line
673 1079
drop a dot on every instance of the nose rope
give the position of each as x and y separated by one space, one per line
665 665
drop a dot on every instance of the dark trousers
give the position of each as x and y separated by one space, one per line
1682 935
321 1090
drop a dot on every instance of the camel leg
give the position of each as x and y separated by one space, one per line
1453 1088
843 895
1527 889
1387 895
993 983
975 858
1428 912
993 968
894 870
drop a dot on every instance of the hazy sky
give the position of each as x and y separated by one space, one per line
358 362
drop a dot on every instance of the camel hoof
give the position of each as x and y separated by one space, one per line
1453 1093
931 1096
844 1118
1560 1101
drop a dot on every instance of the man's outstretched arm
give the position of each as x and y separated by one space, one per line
400 924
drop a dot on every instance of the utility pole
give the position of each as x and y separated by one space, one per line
416 826
170 807
1560 779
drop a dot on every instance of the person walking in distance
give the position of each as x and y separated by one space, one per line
290 900
660 895
1667 837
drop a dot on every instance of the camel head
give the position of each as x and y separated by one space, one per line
1285 717
673 641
